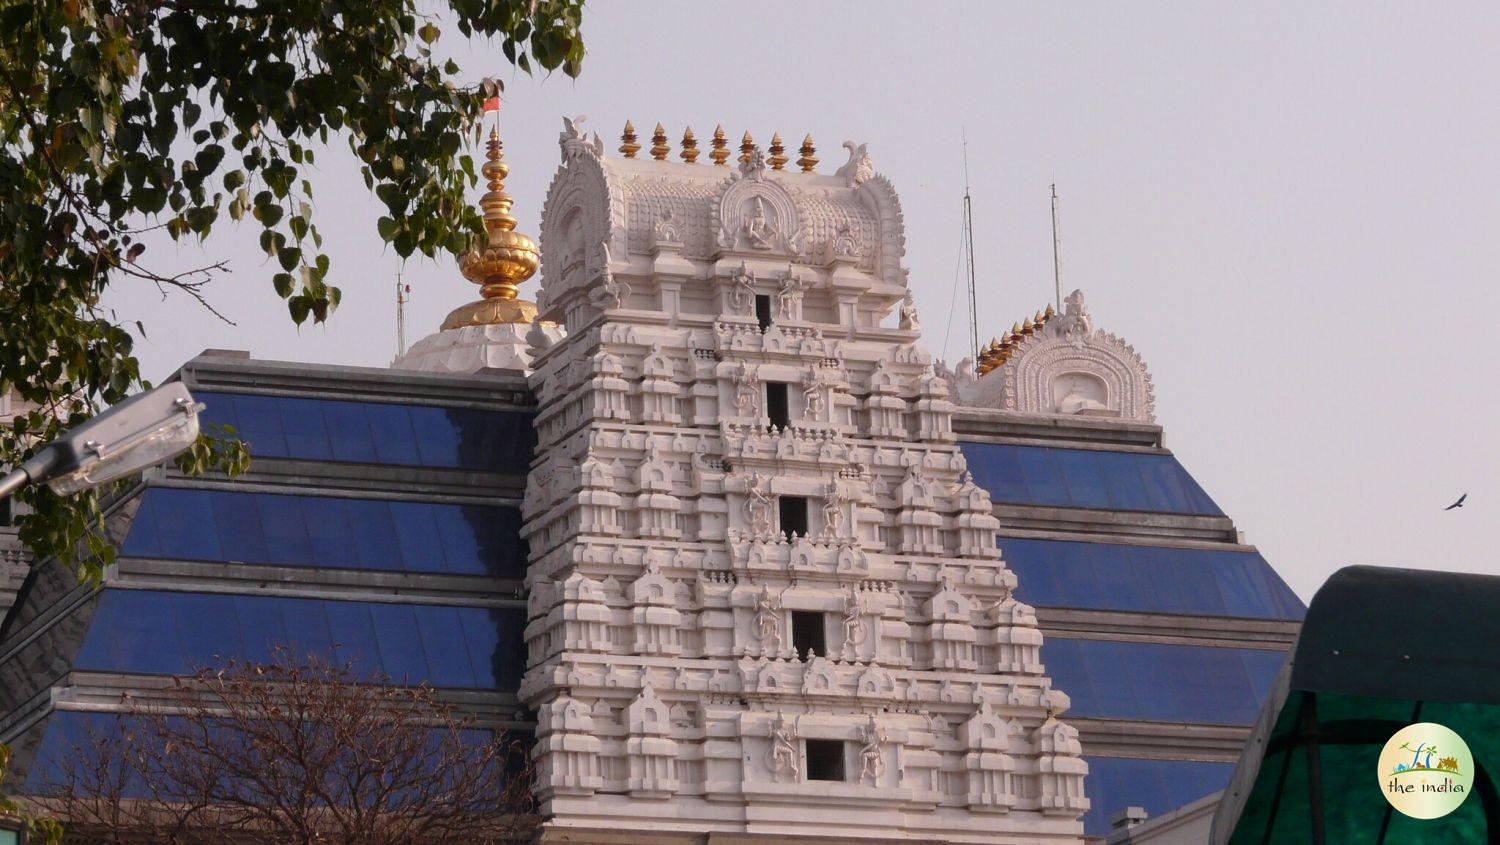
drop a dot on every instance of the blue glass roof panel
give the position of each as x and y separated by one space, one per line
373 432
326 531
1159 681
1158 786
170 633
1085 478
1148 579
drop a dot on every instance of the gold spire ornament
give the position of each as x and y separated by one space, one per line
504 260
809 159
747 146
778 152
720 144
689 152
628 146
659 148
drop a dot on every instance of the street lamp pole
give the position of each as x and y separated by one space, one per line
141 431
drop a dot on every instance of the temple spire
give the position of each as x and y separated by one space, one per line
504 260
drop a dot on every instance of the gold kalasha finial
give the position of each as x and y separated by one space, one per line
659 148
778 152
1050 313
747 146
629 147
504 260
720 142
689 152
808 160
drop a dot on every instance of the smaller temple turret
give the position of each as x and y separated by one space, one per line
1059 364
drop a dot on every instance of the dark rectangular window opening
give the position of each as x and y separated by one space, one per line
763 310
808 633
825 759
793 516
778 403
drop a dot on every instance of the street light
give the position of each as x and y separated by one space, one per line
141 431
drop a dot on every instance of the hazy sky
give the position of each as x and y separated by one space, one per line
1290 212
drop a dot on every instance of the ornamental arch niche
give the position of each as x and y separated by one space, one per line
1069 368
576 230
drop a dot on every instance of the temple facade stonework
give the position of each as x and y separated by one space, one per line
765 596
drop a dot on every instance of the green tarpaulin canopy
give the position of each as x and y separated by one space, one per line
1379 649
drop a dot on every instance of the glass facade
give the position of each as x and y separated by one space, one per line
376 433
1158 786
325 531
1085 478
1161 682
170 633
70 734
1148 579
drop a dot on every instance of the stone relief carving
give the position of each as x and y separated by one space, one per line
757 229
812 396
872 761
768 621
789 298
859 167
909 321
742 296
746 392
854 626
759 506
783 757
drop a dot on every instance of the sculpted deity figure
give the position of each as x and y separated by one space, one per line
757 227
768 622
833 509
758 507
909 320
872 763
746 392
743 295
789 298
812 396
611 293
782 758
854 627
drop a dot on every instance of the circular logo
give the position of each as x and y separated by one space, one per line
1426 771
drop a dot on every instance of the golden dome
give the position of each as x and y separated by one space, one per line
500 264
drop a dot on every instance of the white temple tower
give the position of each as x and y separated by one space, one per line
765 597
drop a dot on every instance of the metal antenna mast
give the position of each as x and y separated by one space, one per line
1056 262
403 296
969 249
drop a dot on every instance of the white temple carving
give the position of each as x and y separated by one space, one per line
762 586
1059 364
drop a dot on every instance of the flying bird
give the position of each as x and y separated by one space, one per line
1457 504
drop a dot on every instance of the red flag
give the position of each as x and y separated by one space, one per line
492 104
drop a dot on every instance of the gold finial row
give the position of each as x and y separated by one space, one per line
659 148
628 145
998 352
719 152
778 157
720 142
505 258
808 160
